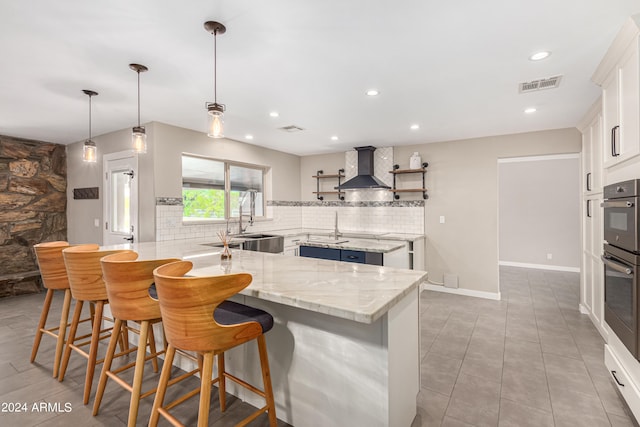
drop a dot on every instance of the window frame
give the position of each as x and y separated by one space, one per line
227 164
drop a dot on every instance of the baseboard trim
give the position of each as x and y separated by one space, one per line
461 291
539 266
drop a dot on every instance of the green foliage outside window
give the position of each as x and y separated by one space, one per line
203 203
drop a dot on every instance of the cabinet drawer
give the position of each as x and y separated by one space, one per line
353 256
322 253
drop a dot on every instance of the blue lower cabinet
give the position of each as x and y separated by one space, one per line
361 257
322 253
352 256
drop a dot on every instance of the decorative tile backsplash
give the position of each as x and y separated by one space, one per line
375 217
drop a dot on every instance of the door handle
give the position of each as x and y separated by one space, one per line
616 378
589 208
130 239
614 153
617 266
589 181
615 204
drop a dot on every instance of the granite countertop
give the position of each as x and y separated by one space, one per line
289 232
366 245
358 292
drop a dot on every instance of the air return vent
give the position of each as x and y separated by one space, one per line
291 128
540 84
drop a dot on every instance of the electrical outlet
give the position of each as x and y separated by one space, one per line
441 219
96 222
549 256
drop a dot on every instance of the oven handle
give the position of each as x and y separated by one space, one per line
619 267
618 204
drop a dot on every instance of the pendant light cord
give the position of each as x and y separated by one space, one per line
89 117
138 98
215 68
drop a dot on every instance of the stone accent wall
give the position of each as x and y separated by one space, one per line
33 205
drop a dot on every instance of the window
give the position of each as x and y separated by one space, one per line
216 189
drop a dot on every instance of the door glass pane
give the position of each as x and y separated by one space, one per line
121 207
202 188
618 221
245 181
619 295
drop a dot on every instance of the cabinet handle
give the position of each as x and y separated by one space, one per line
588 208
589 181
352 257
614 153
616 378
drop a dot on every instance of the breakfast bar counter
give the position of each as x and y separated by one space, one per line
344 349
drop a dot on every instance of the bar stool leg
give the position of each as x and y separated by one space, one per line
152 347
138 372
41 324
72 336
266 378
93 350
108 359
205 390
162 385
222 386
62 331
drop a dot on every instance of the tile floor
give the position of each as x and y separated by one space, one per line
529 360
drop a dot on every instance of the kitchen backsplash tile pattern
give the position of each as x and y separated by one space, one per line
374 217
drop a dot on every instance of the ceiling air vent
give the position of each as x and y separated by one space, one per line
540 84
291 128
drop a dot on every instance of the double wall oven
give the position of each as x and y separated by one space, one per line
621 258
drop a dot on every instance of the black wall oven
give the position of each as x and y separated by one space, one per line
621 258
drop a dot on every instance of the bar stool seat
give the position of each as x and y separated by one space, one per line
197 317
85 278
128 284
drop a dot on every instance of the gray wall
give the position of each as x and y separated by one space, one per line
462 179
539 210
160 173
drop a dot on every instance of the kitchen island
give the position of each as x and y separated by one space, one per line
344 350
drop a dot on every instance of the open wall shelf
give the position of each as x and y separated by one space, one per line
397 171
321 175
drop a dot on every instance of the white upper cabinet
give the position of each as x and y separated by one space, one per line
592 141
619 76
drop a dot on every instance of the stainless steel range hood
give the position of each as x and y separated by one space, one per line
365 179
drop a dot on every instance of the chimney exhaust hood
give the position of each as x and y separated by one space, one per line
365 179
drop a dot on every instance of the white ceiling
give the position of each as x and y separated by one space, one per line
451 66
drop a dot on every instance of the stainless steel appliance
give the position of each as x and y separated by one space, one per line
621 259
621 295
621 215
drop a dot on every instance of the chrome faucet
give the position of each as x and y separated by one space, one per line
252 209
336 232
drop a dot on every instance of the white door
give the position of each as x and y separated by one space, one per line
121 198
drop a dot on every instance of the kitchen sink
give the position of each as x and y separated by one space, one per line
328 240
256 242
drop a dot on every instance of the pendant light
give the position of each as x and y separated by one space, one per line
138 135
215 110
89 151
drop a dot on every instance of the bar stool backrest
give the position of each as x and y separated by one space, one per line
85 272
187 305
128 282
51 264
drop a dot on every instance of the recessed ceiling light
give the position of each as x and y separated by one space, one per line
539 55
373 92
274 114
248 136
334 138
530 110
415 127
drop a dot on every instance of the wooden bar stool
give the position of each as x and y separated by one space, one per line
128 284
197 318
85 278
54 278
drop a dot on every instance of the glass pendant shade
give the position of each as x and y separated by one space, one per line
89 152
139 140
216 124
